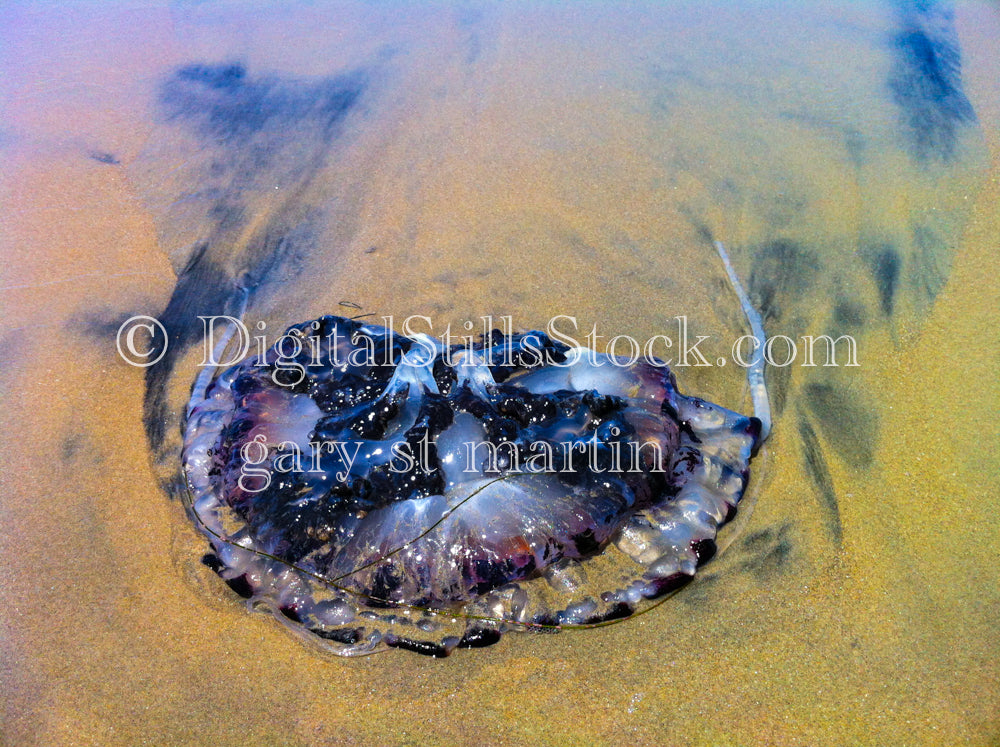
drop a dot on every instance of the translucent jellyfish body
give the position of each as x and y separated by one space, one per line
375 490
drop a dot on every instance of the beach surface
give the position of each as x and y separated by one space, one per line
533 163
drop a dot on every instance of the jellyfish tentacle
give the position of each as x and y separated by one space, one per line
755 371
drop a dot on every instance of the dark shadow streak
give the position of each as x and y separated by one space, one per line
816 467
258 131
926 79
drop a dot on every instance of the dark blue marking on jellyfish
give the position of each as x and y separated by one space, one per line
394 492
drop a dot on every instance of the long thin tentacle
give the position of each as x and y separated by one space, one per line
755 371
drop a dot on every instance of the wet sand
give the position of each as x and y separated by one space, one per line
880 631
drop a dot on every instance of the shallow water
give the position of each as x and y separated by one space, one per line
533 161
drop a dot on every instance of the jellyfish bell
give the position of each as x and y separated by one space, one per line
411 494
